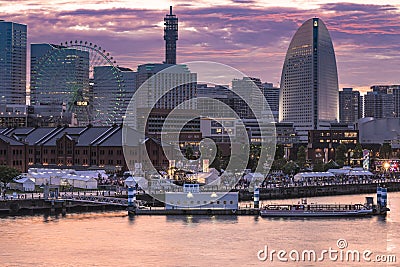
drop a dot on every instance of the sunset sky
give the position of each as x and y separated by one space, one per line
252 36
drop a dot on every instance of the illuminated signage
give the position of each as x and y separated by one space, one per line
81 103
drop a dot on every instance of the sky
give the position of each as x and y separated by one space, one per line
250 35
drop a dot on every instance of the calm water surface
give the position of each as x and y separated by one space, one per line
114 239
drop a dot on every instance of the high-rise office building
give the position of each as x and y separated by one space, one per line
57 72
391 92
222 94
249 88
271 94
60 75
111 96
13 38
170 37
350 105
309 82
157 79
161 88
382 102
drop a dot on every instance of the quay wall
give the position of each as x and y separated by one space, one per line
316 191
40 206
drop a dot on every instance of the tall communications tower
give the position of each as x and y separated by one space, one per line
170 37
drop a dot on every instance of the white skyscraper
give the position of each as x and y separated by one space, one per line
309 83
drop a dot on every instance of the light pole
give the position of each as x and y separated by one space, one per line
386 165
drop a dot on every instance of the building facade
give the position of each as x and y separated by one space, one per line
248 88
78 148
350 106
113 88
309 81
170 86
214 100
322 143
271 94
382 102
13 41
60 75
378 105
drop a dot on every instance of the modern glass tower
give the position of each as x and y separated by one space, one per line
57 73
309 82
113 88
60 75
12 63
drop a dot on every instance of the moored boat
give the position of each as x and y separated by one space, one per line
315 210
329 210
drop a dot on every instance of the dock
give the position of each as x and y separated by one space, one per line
205 212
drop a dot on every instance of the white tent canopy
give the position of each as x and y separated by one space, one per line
133 180
253 176
301 176
79 179
94 174
208 178
360 173
23 184
351 172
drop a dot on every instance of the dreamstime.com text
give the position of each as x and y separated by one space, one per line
340 253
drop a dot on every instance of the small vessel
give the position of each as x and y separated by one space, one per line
304 209
315 210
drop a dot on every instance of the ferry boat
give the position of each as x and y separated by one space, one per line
329 210
315 210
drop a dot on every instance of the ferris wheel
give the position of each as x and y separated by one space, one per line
83 76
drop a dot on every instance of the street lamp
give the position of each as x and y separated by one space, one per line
386 165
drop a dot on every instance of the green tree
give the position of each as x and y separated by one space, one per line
331 165
358 151
279 152
318 166
218 161
189 154
340 154
385 151
255 152
277 165
8 173
290 167
301 156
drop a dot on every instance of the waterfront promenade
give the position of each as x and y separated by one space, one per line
269 189
31 202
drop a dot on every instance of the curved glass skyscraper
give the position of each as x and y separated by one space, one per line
309 83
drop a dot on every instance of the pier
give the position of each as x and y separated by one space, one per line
205 212
97 201
286 192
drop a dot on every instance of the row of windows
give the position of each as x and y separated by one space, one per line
199 202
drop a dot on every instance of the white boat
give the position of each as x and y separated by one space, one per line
316 210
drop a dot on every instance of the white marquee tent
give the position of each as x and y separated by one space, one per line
303 176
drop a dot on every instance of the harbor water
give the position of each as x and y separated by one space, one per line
115 239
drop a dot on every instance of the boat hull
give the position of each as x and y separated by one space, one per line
355 213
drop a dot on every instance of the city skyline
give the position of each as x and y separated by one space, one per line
248 35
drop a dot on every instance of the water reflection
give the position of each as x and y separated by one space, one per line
117 239
47 218
196 219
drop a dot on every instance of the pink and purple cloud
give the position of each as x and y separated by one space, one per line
243 34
